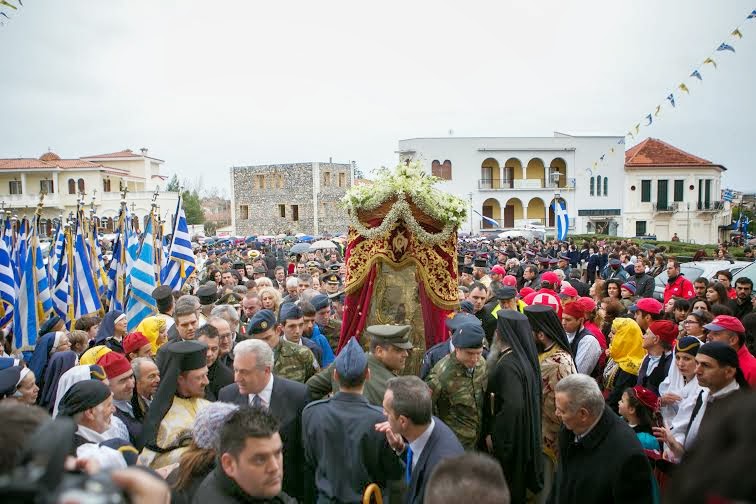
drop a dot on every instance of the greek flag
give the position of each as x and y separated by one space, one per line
7 285
562 220
55 252
25 321
95 257
60 281
728 195
117 270
44 298
736 224
141 304
746 222
180 263
85 296
491 221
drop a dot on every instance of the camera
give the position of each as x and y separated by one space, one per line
41 477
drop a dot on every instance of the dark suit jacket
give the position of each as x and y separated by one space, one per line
441 444
287 400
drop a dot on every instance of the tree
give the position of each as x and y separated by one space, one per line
193 208
173 184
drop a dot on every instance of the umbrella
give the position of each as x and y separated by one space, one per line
299 248
306 238
299 235
323 244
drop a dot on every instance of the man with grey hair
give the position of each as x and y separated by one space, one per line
226 320
601 459
292 290
146 379
186 315
409 412
255 385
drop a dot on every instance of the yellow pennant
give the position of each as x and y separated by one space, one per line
630 134
736 33
710 62
683 87
4 2
637 128
658 109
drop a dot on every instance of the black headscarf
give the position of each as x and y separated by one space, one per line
83 396
514 331
544 319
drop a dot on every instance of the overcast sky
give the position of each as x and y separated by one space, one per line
207 85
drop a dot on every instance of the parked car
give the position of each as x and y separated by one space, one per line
749 271
693 270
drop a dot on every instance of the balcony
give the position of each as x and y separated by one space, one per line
498 184
710 206
665 207
493 184
30 200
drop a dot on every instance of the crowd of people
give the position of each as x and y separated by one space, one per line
563 380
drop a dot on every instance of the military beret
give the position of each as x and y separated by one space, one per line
320 301
259 270
261 322
467 269
397 335
468 336
289 311
224 260
335 267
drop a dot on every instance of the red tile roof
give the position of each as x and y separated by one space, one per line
64 164
119 154
654 152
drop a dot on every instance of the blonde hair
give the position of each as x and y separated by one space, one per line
264 282
273 293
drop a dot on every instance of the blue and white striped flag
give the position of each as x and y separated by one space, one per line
117 270
562 220
53 257
7 285
25 321
489 220
61 292
43 295
141 304
85 296
181 262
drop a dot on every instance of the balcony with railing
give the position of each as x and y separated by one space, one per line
498 184
710 206
665 207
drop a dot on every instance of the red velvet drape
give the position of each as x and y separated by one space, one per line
357 309
434 318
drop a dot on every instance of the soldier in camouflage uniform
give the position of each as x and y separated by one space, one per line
458 382
330 328
292 361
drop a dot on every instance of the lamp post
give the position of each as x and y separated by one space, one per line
471 212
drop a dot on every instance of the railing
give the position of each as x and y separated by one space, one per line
665 207
710 206
495 183
516 223
29 200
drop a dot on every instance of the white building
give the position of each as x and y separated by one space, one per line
671 191
515 180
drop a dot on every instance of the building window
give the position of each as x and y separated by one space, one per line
645 191
326 179
593 185
295 213
662 193
106 185
71 186
598 185
82 187
679 190
707 193
243 212
282 211
640 228
46 186
442 170
342 179
280 181
15 186
260 181
606 186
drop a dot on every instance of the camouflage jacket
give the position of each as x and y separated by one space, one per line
458 397
332 331
292 361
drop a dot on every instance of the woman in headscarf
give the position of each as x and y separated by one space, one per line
514 410
112 330
74 376
625 357
92 355
45 348
59 364
18 382
155 330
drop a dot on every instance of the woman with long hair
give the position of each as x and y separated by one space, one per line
660 264
716 293
270 299
598 290
614 289
611 309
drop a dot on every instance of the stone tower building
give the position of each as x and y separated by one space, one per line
290 198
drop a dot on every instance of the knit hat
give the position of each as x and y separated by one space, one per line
114 364
208 422
629 286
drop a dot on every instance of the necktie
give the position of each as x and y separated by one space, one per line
408 476
257 401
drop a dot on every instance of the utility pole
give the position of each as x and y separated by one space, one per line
471 212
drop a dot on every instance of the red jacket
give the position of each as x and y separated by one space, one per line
680 287
747 365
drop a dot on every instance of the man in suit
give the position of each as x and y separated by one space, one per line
409 408
255 385
342 451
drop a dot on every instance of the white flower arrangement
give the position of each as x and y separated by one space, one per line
406 182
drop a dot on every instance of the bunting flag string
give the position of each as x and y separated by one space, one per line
9 5
683 88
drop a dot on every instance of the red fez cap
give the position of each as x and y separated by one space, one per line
114 364
134 341
646 397
666 330
574 309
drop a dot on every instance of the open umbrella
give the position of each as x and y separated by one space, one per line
299 248
323 244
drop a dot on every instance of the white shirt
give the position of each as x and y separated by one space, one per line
92 435
588 352
707 398
418 445
264 394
